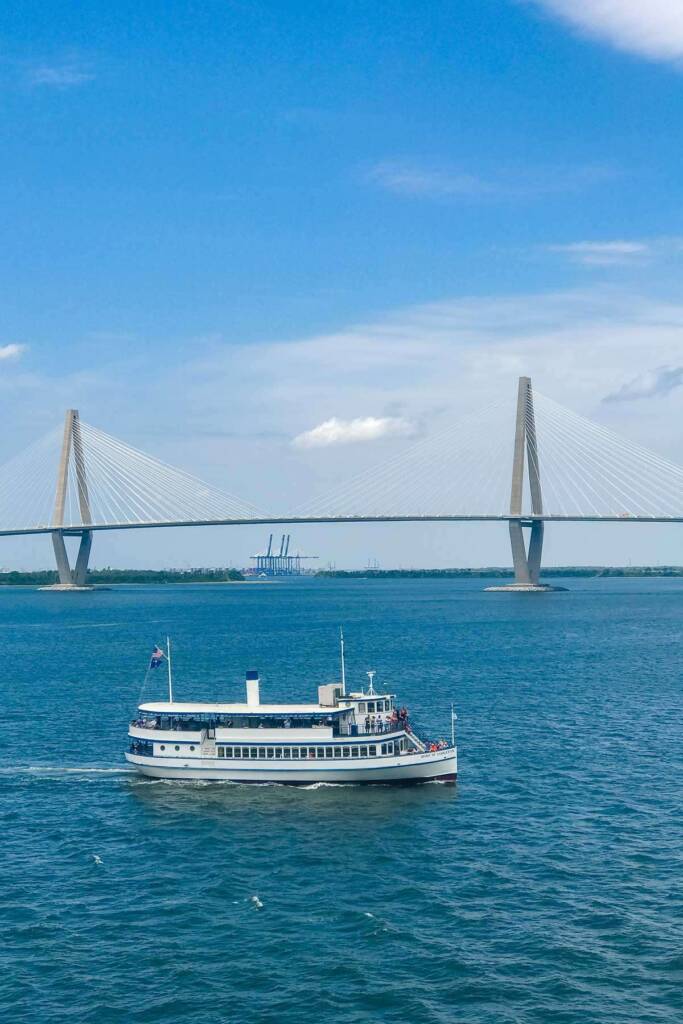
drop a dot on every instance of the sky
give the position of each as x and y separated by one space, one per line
274 243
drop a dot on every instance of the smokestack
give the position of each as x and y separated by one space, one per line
253 698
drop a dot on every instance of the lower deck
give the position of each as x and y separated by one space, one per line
415 766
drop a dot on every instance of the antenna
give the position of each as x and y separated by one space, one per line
371 676
343 666
170 673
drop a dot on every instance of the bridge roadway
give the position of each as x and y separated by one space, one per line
525 520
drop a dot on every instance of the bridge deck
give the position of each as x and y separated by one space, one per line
76 529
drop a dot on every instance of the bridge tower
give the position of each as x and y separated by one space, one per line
526 560
72 454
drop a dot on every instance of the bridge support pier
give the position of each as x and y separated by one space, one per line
526 561
71 579
72 448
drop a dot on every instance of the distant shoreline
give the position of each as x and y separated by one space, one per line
498 572
112 577
131 577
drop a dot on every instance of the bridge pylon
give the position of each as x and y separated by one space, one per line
526 560
72 454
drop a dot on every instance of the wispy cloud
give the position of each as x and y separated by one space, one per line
411 179
650 28
367 428
430 181
652 384
66 75
11 352
618 252
603 254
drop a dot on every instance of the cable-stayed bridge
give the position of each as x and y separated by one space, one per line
537 464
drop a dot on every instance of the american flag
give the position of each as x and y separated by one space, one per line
157 657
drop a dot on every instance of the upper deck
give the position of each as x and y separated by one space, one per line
200 708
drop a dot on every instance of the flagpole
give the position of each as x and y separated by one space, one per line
170 673
453 717
343 667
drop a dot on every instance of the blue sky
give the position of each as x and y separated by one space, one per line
225 224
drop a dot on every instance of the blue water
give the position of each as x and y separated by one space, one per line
544 887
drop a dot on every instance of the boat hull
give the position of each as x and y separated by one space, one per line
431 766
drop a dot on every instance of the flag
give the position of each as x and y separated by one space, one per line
157 657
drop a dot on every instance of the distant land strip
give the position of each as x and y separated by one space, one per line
498 572
45 577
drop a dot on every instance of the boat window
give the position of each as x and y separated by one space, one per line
371 706
295 753
347 751
192 748
384 748
372 750
364 751
278 751
354 751
362 708
177 747
270 751
286 753
228 751
328 751
261 751
337 751
221 751
253 751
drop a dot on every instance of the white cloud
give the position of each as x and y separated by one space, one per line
363 428
11 351
651 28
413 178
604 254
58 76
619 252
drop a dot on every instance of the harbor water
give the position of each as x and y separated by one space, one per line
544 887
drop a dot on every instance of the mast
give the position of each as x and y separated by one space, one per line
170 673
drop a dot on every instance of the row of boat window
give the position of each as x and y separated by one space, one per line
308 753
371 706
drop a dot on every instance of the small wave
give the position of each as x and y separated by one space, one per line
326 785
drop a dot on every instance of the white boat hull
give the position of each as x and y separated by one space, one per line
430 766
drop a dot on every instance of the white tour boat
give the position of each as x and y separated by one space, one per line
345 737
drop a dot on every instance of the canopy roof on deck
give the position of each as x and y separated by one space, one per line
260 710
